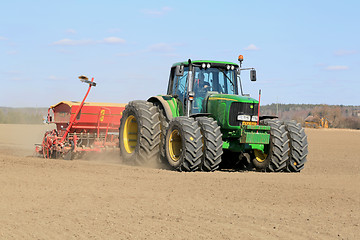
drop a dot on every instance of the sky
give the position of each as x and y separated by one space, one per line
303 51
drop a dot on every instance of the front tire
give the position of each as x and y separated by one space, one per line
139 133
183 144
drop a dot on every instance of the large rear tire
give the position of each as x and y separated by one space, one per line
298 146
164 126
139 135
212 140
276 155
183 144
69 155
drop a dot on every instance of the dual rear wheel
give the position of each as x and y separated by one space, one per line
193 144
287 150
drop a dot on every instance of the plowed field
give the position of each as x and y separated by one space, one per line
104 199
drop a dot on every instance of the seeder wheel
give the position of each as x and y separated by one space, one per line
47 144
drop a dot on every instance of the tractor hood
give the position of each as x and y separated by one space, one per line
227 108
231 98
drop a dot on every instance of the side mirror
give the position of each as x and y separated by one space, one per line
253 75
179 70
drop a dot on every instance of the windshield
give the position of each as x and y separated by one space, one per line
217 80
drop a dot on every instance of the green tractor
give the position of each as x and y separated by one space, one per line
203 123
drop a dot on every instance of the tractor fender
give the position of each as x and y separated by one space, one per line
165 104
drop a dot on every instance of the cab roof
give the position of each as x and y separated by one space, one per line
98 104
206 61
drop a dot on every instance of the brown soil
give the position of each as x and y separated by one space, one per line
98 199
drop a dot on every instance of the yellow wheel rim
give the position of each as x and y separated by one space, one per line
130 134
175 145
260 155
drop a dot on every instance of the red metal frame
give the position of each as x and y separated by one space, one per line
258 119
77 112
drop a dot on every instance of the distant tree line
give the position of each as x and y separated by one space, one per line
339 116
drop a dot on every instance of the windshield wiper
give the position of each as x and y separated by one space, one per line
227 77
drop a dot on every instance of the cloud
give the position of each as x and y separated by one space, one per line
72 42
162 47
55 78
14 75
16 79
71 31
113 40
126 54
345 52
12 72
3 38
251 47
19 77
114 30
65 51
157 13
336 68
12 52
129 54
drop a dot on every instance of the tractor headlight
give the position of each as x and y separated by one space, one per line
203 65
208 65
227 67
254 118
232 67
243 117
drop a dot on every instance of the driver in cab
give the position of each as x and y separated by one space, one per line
201 87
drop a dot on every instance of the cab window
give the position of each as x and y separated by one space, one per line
180 84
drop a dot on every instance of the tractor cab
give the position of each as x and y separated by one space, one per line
192 85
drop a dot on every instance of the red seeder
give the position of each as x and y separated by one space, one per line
81 127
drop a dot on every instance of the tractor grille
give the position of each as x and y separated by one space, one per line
238 108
